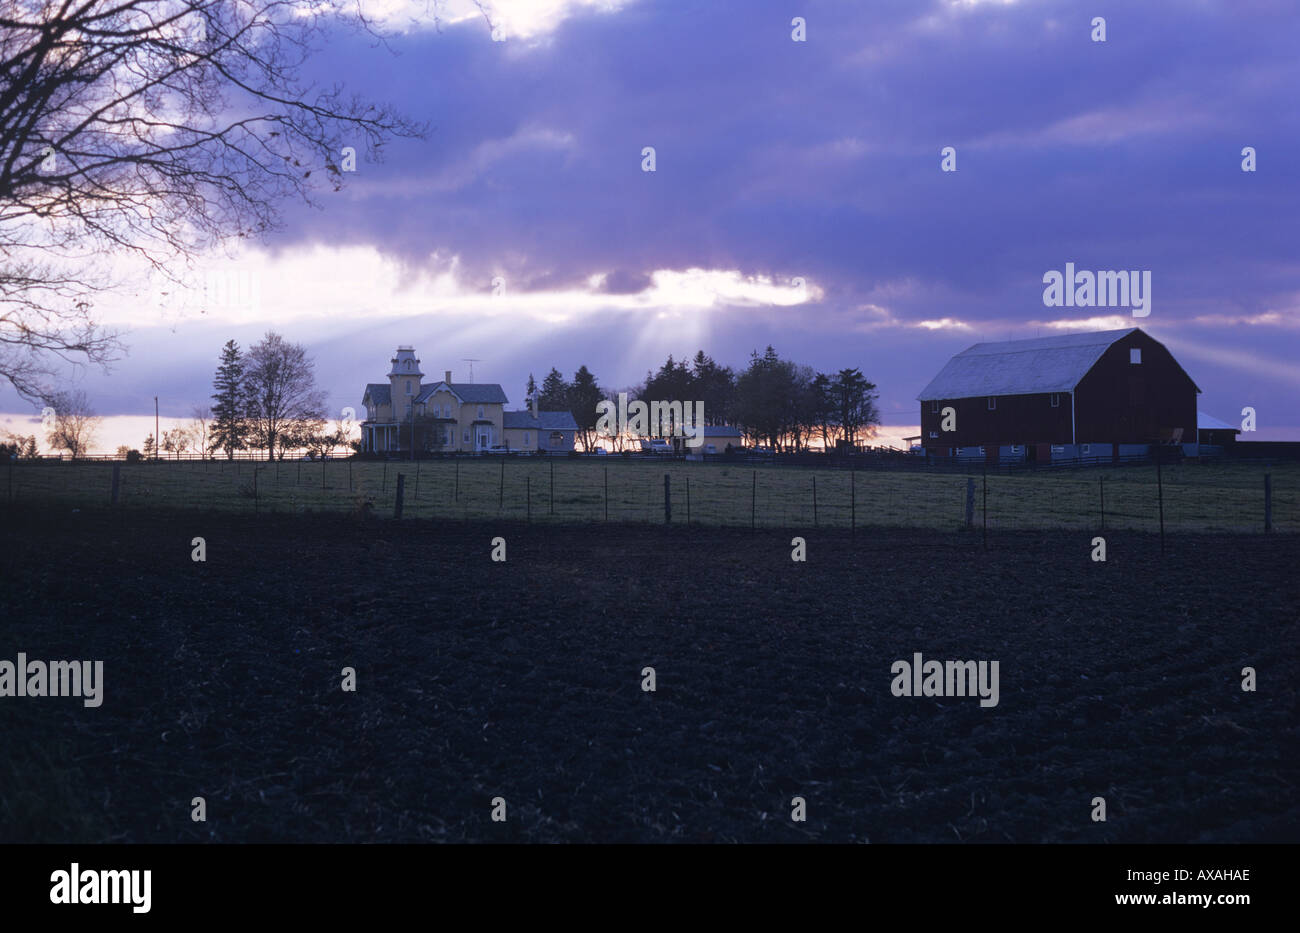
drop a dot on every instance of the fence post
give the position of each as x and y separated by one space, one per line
255 506
753 501
455 496
322 472
11 482
668 500
986 508
401 487
349 474
970 502
383 487
117 480
814 479
501 492
1268 501
528 493
1160 496
552 487
607 492
853 505
298 481
688 500
415 499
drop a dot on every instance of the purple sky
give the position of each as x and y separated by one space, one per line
778 159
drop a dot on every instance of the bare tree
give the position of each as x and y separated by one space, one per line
200 417
282 393
156 129
72 427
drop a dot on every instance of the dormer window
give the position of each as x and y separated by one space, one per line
408 366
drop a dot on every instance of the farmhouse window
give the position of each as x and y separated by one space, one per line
934 407
993 403
408 386
466 437
525 438
480 411
1056 400
1135 355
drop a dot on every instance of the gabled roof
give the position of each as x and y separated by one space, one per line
472 393
1206 422
1021 367
545 420
380 393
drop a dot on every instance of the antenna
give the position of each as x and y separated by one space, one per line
466 359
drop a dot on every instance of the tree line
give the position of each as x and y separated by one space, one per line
772 401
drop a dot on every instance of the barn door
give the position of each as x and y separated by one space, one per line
991 454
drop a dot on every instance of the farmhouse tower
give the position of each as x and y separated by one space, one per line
404 379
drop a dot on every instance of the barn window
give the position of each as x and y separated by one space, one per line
934 407
1015 448
934 435
1135 355
993 403
1056 400
1087 449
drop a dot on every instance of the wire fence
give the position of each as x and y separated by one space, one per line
1187 497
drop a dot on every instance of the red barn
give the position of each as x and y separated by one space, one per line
1077 394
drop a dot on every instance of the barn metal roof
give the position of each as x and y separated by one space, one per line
1206 422
1021 367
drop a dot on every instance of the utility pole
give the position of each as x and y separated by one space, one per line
156 440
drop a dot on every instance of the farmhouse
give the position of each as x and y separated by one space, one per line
451 417
1104 394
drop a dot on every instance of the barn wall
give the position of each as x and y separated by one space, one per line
1135 403
1018 419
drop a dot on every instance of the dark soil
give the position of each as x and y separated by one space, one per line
522 680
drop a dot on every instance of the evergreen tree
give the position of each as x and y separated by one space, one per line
584 395
555 392
229 426
530 392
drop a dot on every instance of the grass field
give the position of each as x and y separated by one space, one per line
1197 497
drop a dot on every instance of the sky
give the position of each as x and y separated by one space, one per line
798 199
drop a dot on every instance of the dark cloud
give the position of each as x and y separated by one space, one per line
821 159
